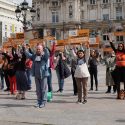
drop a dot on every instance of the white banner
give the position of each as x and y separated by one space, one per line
92 40
72 33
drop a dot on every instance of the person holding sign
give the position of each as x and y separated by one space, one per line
119 72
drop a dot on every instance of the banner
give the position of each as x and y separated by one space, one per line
19 35
78 40
83 33
119 33
73 33
92 40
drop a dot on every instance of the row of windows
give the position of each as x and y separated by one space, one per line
11 28
118 38
104 1
119 13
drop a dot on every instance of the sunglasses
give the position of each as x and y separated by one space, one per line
120 46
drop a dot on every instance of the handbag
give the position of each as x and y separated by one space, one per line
29 63
67 71
82 71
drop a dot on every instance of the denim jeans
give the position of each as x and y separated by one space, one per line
41 90
28 72
60 81
2 81
49 81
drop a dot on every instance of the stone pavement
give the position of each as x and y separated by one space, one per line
101 108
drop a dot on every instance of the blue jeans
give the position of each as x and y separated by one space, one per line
28 72
49 80
41 90
2 81
60 81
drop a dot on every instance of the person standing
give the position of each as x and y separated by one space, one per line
1 73
29 67
93 63
119 72
40 72
82 74
110 67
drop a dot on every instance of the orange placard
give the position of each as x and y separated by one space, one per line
78 40
60 48
97 39
34 42
107 49
83 32
19 35
62 42
119 33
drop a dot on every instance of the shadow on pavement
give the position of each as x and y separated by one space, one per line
102 97
121 120
15 105
61 101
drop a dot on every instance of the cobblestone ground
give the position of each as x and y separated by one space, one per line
101 108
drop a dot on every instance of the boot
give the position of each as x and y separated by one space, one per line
108 90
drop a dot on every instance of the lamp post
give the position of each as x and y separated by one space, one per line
63 28
21 13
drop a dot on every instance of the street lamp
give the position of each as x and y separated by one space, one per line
21 12
63 28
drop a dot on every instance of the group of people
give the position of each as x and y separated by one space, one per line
17 65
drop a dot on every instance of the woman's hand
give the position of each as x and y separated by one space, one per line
110 37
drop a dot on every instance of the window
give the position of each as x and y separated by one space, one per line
70 11
82 14
10 28
118 13
105 1
15 29
105 37
20 30
119 38
5 34
81 3
92 1
105 16
38 14
6 27
118 1
53 31
55 17
54 3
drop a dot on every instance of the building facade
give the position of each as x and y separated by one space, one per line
100 16
8 21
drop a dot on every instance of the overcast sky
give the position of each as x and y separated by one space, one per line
19 1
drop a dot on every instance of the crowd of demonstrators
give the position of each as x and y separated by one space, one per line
93 63
17 66
110 66
119 72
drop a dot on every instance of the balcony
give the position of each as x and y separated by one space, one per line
105 5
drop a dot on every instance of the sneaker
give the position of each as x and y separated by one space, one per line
7 90
85 101
108 92
42 105
58 90
79 102
91 89
96 89
36 106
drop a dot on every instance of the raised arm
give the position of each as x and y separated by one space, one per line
87 52
111 43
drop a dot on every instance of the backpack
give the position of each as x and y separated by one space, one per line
29 63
